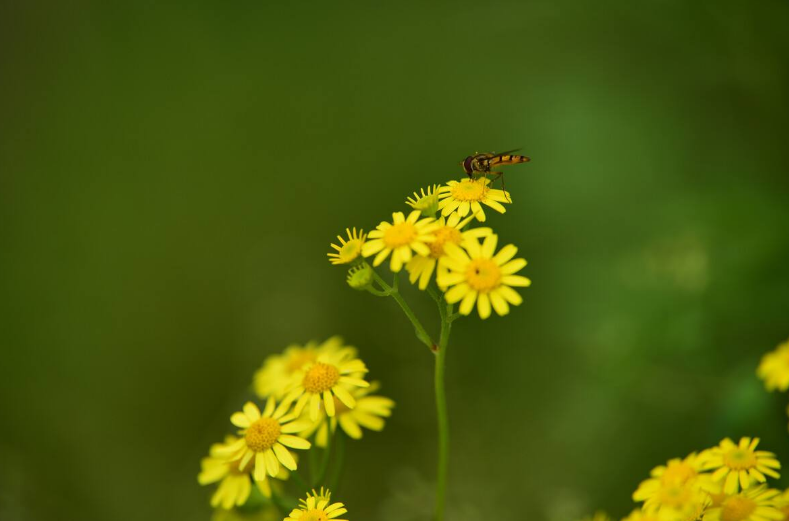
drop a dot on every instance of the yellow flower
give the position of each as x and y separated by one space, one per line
427 202
755 504
277 374
774 368
348 251
449 231
330 375
369 413
264 438
399 238
235 484
477 275
667 480
317 507
465 196
741 465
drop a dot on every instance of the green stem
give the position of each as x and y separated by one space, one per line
441 409
421 333
326 454
339 459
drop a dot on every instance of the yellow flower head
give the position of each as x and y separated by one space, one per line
399 238
332 374
317 507
449 231
774 368
755 504
668 480
741 465
477 275
465 196
264 438
427 202
369 413
350 250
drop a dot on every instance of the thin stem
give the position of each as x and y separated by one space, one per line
339 459
421 333
326 454
441 409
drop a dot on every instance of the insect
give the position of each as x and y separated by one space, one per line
480 165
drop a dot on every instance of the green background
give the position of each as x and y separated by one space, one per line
171 176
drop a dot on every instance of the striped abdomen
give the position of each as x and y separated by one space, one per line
507 160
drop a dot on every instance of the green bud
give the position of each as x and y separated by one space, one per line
360 277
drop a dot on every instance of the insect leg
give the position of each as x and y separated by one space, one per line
500 175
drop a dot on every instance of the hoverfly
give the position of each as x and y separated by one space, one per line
480 165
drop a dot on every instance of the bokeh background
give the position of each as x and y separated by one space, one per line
171 175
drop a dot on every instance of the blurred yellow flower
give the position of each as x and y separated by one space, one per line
400 238
754 504
667 479
317 507
332 374
774 368
465 196
350 250
741 465
477 275
426 202
449 231
264 438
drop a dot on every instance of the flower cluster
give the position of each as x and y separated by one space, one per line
774 369
307 391
437 244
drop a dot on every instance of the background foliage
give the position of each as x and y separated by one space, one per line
171 177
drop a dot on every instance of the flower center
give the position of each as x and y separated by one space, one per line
468 190
678 472
399 234
351 250
737 508
739 459
315 515
321 377
674 495
443 235
262 434
483 275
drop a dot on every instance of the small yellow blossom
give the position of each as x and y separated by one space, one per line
264 438
400 237
317 507
465 196
329 376
449 231
350 250
478 276
427 202
741 465
755 504
774 368
665 480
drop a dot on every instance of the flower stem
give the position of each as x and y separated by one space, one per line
421 333
441 409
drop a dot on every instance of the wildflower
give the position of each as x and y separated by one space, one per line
774 368
741 465
399 238
449 231
360 277
427 202
369 413
277 374
465 196
755 504
665 479
348 251
330 375
265 437
317 507
477 275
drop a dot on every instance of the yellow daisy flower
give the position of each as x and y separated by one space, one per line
449 231
369 413
264 438
741 465
477 275
330 375
277 374
755 504
774 368
465 196
350 250
665 478
427 202
317 507
399 238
